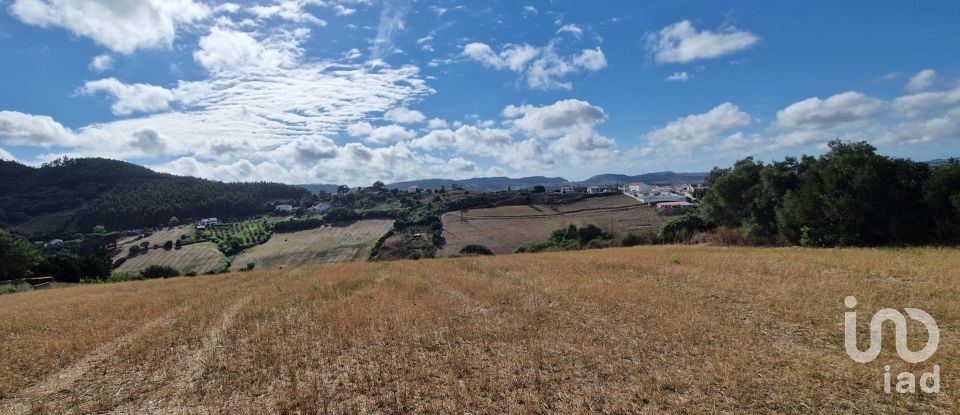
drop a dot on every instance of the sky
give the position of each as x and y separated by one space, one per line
354 91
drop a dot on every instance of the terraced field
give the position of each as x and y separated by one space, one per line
199 258
664 329
316 246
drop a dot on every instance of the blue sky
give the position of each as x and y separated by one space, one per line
352 91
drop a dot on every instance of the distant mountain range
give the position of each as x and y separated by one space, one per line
489 184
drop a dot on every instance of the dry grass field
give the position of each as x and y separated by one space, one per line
199 257
314 246
666 329
505 228
156 238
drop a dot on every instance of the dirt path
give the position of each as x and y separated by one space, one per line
64 380
191 368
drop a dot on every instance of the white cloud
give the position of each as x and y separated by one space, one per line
840 108
912 104
391 22
513 57
360 129
556 119
543 68
573 121
227 50
5 155
572 29
17 128
679 77
228 8
921 81
404 115
691 132
388 134
131 98
940 127
101 63
683 43
289 10
124 26
437 123
530 9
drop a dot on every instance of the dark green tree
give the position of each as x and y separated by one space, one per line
17 256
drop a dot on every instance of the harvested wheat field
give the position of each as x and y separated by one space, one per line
503 229
199 257
667 329
316 246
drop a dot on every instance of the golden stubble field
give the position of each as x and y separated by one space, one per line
316 246
503 229
667 329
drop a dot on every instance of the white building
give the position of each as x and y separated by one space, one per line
566 189
638 187
318 208
209 221
284 209
413 189
595 190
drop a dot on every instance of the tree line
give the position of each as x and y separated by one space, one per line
850 196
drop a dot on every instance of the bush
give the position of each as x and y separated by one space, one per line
476 250
340 215
159 271
682 229
250 266
634 239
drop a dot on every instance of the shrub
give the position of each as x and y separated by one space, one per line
159 271
250 266
476 250
340 215
634 239
682 229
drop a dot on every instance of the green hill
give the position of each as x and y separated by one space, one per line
71 195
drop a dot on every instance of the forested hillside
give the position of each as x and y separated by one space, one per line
82 193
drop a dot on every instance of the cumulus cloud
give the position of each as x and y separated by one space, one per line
17 128
101 63
914 103
681 42
691 132
123 26
840 108
437 123
389 133
921 81
555 119
543 68
225 50
404 115
131 98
